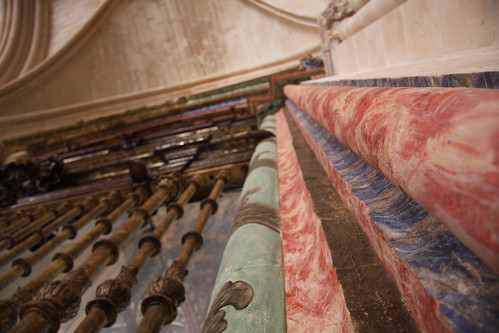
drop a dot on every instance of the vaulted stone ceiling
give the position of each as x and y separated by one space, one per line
101 57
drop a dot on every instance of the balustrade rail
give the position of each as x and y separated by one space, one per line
69 231
59 301
95 181
167 292
113 296
40 235
20 221
9 241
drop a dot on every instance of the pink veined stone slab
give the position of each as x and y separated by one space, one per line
424 309
439 145
314 297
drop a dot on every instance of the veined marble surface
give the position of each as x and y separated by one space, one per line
438 145
421 255
314 297
253 256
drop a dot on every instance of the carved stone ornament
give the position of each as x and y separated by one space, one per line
8 315
66 293
118 291
170 286
239 294
336 11
325 19
167 291
113 296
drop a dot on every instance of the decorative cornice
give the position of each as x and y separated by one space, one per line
21 124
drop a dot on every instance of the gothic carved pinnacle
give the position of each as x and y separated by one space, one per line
336 11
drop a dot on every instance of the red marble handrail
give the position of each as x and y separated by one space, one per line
439 145
308 266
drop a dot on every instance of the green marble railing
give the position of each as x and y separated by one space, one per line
249 292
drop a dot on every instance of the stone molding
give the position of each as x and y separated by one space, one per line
32 77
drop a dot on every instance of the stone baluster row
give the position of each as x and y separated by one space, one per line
9 241
113 296
167 292
9 308
20 220
22 266
59 301
39 235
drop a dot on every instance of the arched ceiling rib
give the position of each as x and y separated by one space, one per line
24 37
37 65
297 11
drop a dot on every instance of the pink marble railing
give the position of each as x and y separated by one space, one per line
439 145
314 297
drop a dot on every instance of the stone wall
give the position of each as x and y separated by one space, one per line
419 37
143 52
68 17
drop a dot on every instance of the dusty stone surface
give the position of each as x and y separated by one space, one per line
374 302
